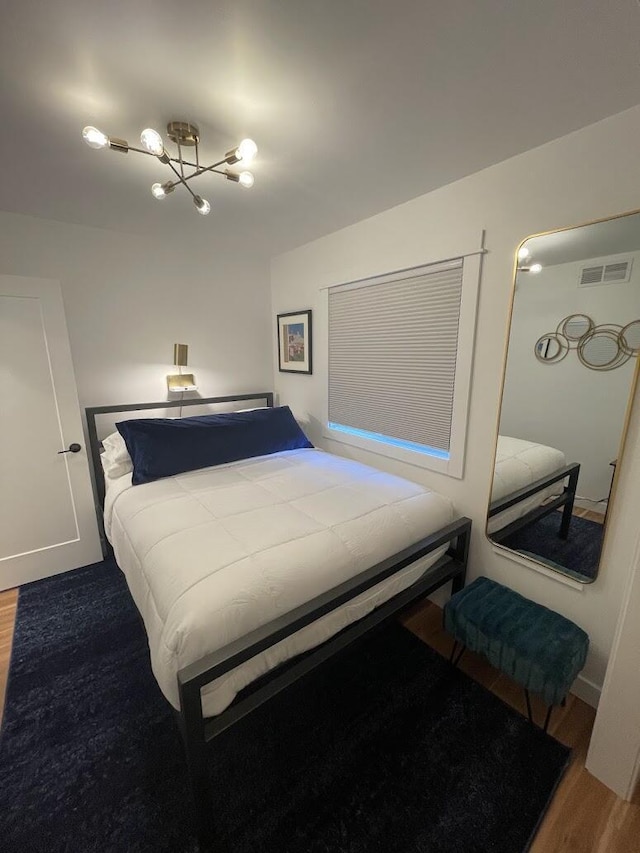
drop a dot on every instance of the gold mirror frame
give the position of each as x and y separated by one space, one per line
518 557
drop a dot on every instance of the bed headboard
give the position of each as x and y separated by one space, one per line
93 411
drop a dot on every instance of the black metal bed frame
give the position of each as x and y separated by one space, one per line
566 500
198 731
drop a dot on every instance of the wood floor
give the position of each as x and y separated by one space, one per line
589 514
8 601
584 817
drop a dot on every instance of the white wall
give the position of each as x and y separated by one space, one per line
614 751
560 404
589 174
128 299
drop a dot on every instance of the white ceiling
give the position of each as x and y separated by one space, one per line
356 105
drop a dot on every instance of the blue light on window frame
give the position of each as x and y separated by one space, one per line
393 442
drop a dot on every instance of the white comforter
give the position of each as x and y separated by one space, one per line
518 464
211 555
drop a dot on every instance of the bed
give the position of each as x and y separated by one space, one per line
250 573
530 481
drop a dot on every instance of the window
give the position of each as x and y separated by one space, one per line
398 365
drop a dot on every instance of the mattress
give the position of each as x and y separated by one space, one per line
213 554
520 463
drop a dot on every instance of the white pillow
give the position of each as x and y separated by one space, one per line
116 461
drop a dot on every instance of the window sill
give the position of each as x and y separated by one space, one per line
451 467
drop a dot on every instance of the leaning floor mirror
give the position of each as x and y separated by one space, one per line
570 372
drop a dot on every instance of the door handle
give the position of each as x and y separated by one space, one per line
73 448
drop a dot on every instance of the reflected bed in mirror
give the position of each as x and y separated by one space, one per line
571 367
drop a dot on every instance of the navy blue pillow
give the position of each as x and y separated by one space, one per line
161 447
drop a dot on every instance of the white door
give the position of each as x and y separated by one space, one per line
47 516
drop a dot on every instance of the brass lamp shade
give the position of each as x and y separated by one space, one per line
180 355
181 382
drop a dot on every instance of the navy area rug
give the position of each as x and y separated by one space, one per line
580 552
386 749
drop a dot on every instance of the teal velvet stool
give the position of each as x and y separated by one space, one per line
536 647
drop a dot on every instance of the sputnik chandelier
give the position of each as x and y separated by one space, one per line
184 135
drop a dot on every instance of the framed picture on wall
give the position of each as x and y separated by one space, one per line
294 342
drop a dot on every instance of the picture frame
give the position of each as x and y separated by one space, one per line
295 342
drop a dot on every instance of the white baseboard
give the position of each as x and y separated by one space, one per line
600 507
586 690
441 595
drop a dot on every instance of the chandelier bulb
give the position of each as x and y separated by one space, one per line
535 268
202 205
523 253
247 150
95 138
162 190
246 179
152 141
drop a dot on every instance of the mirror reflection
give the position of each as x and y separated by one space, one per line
573 347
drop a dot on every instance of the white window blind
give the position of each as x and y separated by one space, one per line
393 344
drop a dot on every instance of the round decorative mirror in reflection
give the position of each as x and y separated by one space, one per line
630 338
551 347
575 326
600 349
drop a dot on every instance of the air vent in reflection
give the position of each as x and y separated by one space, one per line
617 272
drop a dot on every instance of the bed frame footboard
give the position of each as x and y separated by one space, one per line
198 732
566 500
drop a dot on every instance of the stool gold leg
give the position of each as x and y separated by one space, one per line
526 693
453 651
452 658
